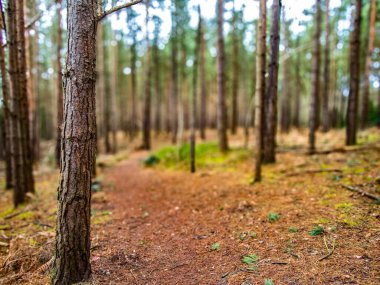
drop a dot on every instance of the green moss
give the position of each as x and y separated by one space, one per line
7 212
344 207
25 216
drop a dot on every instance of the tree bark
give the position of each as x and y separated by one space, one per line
368 64
326 72
352 107
202 71
114 58
174 76
269 154
222 109
314 102
147 97
6 107
235 73
72 248
59 85
260 89
298 90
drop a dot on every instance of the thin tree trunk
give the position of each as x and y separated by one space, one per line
59 85
114 58
147 98
235 73
174 76
222 109
260 89
326 72
314 114
368 64
352 107
6 107
195 92
298 90
269 154
158 91
202 70
72 248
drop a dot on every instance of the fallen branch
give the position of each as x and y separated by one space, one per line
280 263
313 171
14 215
330 252
361 192
117 8
46 266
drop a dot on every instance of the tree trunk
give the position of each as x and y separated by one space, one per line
174 76
202 70
260 89
271 94
147 97
114 58
72 256
326 73
314 114
222 109
59 85
158 91
352 106
235 73
6 107
368 64
298 90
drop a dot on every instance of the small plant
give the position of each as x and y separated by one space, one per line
250 259
268 282
253 234
316 231
151 161
292 230
272 217
242 236
215 247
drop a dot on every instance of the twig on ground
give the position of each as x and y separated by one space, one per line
280 263
362 192
330 252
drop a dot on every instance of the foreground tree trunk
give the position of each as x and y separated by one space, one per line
368 65
72 248
222 110
352 107
314 101
6 108
59 85
326 73
269 154
260 89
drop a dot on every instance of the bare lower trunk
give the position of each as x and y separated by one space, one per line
222 110
326 73
59 87
260 89
313 117
72 248
203 105
174 78
114 58
235 73
354 77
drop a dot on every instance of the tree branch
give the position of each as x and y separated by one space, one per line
117 8
38 17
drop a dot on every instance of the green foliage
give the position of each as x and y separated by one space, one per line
268 282
151 161
272 217
253 234
316 231
215 247
250 259
292 230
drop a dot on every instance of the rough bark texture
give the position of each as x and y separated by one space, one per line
368 65
7 116
202 71
174 76
235 73
313 114
146 144
59 86
352 107
72 249
326 72
260 89
271 92
222 109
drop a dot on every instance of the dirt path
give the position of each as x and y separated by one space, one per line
163 224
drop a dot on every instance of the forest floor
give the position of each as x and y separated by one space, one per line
163 225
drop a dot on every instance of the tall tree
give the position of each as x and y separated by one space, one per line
271 92
72 247
352 107
368 64
222 109
260 88
146 144
114 59
157 74
298 88
174 75
59 87
202 76
235 71
314 101
6 107
326 72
